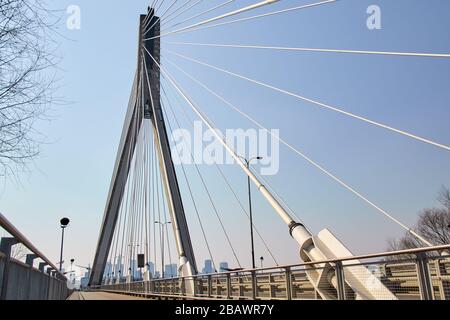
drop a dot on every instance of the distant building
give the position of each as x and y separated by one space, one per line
224 266
151 268
84 281
208 268
170 271
108 269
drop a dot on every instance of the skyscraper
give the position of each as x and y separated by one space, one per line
224 266
170 271
208 268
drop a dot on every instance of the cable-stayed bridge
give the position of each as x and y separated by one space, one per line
147 223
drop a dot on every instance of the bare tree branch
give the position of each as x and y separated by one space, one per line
27 65
433 224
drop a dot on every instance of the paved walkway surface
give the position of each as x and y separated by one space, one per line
101 296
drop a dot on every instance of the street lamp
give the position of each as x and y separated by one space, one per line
262 261
248 162
64 224
162 225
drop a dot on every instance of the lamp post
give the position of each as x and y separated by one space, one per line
248 162
162 225
71 271
64 224
262 262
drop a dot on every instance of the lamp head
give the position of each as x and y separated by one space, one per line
64 222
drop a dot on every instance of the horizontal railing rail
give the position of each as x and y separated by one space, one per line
20 280
14 232
422 273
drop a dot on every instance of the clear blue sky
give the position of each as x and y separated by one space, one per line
71 177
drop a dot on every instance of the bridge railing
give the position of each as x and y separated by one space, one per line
20 280
416 274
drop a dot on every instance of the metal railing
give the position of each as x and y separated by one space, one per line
416 274
20 280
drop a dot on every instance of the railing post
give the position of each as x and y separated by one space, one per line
42 287
442 292
29 261
424 279
340 280
228 286
209 285
254 285
49 274
5 247
288 283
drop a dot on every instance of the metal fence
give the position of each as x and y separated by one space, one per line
418 274
20 280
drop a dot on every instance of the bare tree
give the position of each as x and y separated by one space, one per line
26 78
433 224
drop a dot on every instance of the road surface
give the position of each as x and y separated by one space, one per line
101 296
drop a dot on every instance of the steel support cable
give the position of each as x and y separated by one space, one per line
115 243
158 203
146 23
222 16
121 222
129 204
133 210
187 118
123 249
199 14
224 178
191 194
166 220
154 200
150 196
299 49
311 161
141 194
216 211
160 193
180 31
138 193
157 172
122 214
131 162
135 226
195 206
160 5
315 102
160 17
167 237
177 12
110 254
128 229
283 214
182 12
146 166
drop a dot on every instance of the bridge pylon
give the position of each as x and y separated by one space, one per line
144 106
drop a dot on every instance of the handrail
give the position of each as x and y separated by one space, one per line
360 257
13 231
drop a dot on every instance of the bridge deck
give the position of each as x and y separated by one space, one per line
100 295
